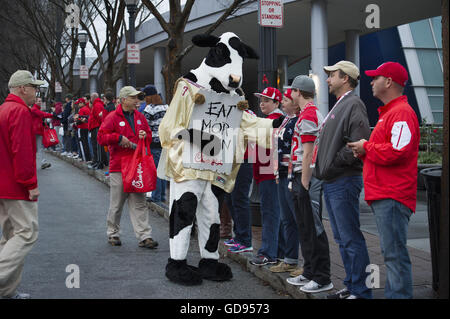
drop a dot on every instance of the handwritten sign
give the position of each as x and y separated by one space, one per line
216 121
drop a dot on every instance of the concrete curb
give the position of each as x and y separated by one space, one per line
275 280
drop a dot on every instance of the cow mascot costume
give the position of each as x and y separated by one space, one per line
198 193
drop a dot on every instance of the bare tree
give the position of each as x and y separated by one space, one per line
178 18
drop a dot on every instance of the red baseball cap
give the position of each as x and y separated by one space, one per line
80 101
271 93
288 94
393 70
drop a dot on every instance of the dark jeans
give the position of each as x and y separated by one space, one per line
83 137
314 245
342 200
270 218
159 194
288 241
99 155
239 205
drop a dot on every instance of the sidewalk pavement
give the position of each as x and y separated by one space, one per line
418 247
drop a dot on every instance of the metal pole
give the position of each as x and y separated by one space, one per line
132 67
268 58
83 62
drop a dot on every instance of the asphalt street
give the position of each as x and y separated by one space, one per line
72 240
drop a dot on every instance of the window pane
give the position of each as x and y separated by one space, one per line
436 103
438 117
421 33
431 68
435 91
437 29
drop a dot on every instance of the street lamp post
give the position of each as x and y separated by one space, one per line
132 8
83 39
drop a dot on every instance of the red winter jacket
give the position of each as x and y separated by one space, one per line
17 150
390 162
259 169
84 111
98 114
116 125
37 116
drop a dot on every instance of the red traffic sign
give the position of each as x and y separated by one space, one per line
133 53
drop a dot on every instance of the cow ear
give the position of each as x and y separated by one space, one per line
248 52
205 40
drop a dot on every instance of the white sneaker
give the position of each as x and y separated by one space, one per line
352 297
314 287
63 153
298 281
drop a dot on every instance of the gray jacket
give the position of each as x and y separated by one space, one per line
334 158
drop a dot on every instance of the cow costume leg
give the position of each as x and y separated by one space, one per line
189 199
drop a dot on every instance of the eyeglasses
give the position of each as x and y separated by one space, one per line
34 87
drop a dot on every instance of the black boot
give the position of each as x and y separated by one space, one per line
180 272
211 269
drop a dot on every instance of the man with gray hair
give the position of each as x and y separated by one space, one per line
18 186
121 131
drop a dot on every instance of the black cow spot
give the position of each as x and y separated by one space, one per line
219 193
218 56
244 50
183 213
214 237
217 86
191 76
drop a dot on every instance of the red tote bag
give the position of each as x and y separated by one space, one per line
49 137
139 170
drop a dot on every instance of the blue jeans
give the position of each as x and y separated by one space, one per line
342 200
392 219
270 218
239 205
159 194
288 224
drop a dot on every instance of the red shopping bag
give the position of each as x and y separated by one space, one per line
138 170
49 137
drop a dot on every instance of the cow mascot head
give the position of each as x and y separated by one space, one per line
197 194
221 70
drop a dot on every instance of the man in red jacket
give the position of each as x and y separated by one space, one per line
121 131
38 128
98 114
390 173
18 184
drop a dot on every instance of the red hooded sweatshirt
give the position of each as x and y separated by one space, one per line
17 150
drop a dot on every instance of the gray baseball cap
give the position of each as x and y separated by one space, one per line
303 83
347 67
23 77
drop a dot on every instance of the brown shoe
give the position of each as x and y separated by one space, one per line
283 267
114 241
296 272
148 243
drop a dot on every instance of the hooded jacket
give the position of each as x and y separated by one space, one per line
17 150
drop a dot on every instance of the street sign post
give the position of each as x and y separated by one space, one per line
133 53
58 87
84 72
